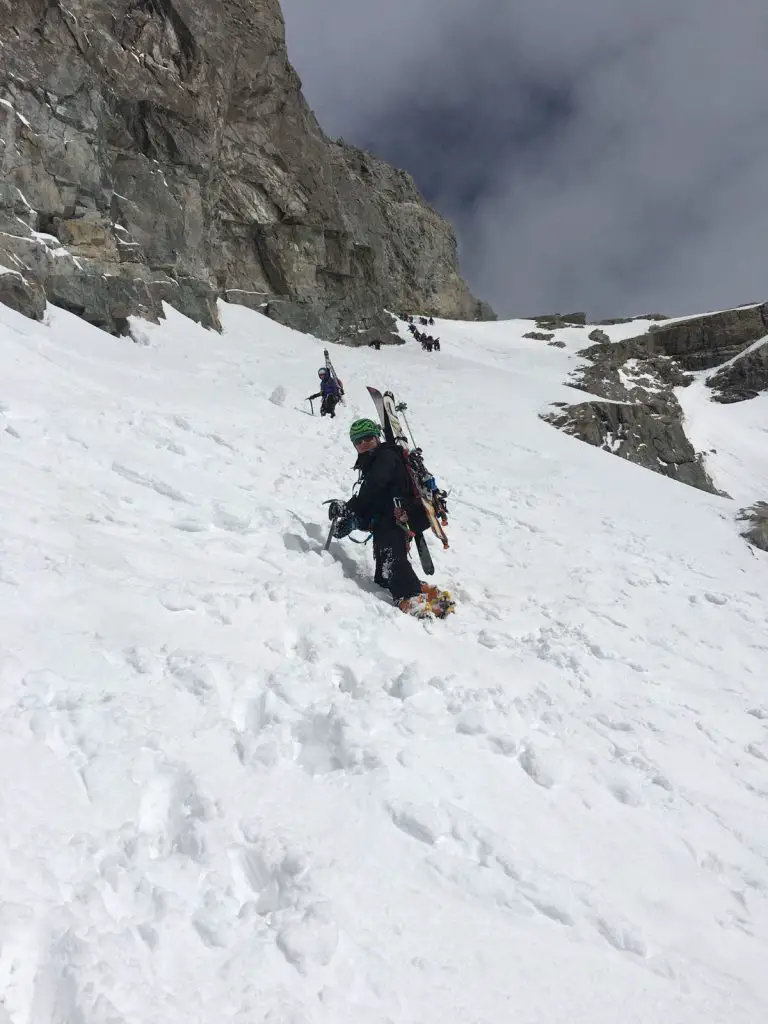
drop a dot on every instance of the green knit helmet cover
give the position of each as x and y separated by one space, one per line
363 428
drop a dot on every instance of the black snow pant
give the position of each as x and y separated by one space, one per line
393 569
328 406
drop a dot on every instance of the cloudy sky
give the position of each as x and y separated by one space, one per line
606 155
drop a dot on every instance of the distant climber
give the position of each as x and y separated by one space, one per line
331 391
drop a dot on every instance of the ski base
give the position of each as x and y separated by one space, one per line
424 556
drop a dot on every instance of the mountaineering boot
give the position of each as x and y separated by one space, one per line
418 606
442 605
440 601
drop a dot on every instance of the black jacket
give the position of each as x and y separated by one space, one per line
384 478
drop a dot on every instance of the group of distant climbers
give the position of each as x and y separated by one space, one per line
428 343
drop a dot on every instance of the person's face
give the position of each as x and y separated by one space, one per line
366 444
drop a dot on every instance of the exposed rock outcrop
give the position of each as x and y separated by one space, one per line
649 434
631 319
700 342
743 378
642 420
756 518
636 414
161 150
24 296
554 321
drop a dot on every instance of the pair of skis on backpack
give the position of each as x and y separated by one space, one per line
431 602
423 483
334 376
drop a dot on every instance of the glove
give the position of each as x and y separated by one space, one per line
336 509
345 525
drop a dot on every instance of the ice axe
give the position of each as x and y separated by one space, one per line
334 520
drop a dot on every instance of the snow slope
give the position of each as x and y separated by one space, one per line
733 437
239 786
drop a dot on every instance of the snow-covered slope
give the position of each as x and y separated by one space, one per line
239 786
733 438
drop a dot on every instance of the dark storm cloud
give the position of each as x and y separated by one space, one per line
604 154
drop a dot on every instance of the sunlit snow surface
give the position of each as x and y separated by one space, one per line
239 787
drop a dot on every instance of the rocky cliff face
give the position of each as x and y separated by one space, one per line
162 150
755 520
640 418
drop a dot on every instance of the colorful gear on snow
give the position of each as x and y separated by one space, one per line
424 606
363 428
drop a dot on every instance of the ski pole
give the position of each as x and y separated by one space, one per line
401 407
311 406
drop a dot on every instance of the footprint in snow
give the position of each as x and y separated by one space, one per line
407 683
262 733
232 523
171 810
539 765
626 792
344 678
548 906
152 483
614 724
202 676
276 882
427 823
175 599
312 938
622 936
293 542
759 750
327 744
190 525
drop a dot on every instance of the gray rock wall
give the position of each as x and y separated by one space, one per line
641 373
636 414
162 150
648 433
744 378
699 342
756 529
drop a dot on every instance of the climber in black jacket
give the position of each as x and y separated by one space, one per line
386 505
